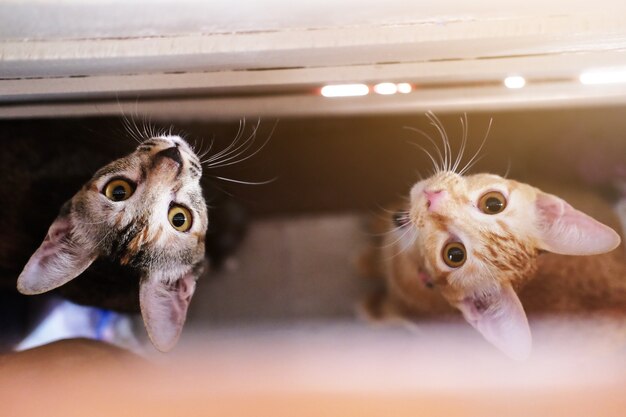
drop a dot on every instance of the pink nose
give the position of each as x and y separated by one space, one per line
434 198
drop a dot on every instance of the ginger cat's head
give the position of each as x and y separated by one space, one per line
477 239
145 211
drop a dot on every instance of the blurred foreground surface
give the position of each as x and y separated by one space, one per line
578 368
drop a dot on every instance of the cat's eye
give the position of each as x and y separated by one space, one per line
454 254
180 218
492 203
118 190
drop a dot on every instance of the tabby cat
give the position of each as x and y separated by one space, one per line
133 235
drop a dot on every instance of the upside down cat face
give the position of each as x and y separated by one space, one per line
477 239
144 211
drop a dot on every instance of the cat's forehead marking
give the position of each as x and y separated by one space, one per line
440 221
511 255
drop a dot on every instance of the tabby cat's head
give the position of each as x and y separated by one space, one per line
477 238
145 211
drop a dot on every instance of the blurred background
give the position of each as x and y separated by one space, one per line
334 87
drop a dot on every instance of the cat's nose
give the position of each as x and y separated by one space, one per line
172 153
433 198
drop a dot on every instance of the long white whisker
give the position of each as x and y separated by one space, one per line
438 167
480 148
246 182
238 136
133 119
127 124
125 121
205 152
434 121
469 166
508 168
237 152
463 142
220 164
398 239
400 250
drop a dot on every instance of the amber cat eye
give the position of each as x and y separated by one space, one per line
180 218
492 203
454 254
118 190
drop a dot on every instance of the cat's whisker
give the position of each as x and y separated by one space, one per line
149 129
144 127
394 230
389 211
206 152
401 238
125 121
197 147
409 228
241 128
127 126
386 233
221 164
471 165
246 182
202 152
508 169
135 131
480 148
435 166
237 152
434 121
133 118
431 140
465 129
164 132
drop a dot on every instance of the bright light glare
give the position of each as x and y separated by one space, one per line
386 88
345 90
514 81
603 77
404 88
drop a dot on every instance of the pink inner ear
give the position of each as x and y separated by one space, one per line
164 309
501 319
57 260
565 230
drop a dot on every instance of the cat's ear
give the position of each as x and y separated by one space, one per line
164 307
501 319
58 259
563 229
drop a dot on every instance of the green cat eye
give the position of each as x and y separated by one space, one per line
180 218
492 203
118 190
454 254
